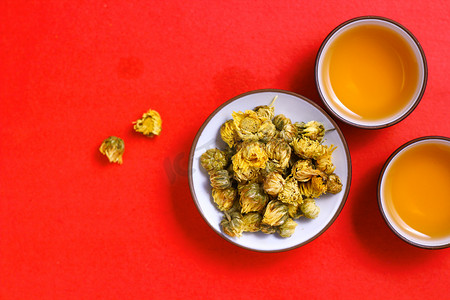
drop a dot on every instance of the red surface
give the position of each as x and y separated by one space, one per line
73 226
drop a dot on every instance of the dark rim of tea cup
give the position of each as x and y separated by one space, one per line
403 115
379 196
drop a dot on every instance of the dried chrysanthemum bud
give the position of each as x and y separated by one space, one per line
291 192
246 174
265 111
272 166
306 148
280 151
294 211
113 147
287 228
334 184
303 170
267 229
267 131
213 159
149 124
310 209
299 126
247 124
252 198
313 130
232 224
273 183
280 120
251 222
288 133
228 133
255 154
313 188
229 152
324 162
220 179
248 160
236 207
224 198
276 213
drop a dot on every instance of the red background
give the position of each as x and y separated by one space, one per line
73 226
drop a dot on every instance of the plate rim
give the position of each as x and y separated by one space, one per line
260 91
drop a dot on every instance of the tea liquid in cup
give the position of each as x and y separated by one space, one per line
414 192
371 72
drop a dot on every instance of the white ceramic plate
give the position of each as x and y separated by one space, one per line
298 109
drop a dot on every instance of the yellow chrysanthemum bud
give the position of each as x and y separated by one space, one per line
252 198
273 183
287 229
306 148
291 192
303 170
252 222
276 213
313 188
150 123
280 151
113 147
310 209
213 159
247 124
228 133
334 184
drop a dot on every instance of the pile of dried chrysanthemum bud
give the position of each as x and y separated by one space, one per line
271 173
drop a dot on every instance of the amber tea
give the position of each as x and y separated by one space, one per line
416 190
370 72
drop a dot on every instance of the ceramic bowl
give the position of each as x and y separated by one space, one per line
298 108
